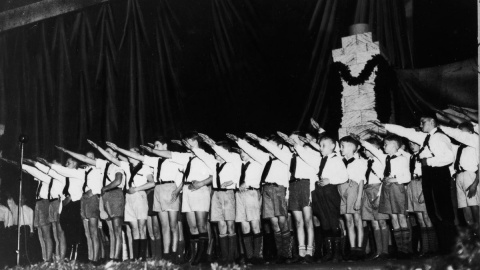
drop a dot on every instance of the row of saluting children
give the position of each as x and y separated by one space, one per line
329 189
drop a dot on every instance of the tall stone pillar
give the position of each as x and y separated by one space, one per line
358 102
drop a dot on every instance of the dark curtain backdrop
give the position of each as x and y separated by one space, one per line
129 70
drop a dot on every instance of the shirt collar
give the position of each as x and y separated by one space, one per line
433 131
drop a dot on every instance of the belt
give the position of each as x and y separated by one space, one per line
113 189
163 182
39 199
52 200
222 189
298 180
271 184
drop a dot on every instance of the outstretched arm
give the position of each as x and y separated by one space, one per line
102 151
160 153
77 156
126 152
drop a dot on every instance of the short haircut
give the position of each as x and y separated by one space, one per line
375 141
431 116
466 125
192 135
275 138
161 139
225 145
327 138
394 138
349 139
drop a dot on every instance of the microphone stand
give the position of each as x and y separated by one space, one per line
22 140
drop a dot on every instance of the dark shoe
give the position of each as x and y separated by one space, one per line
373 257
293 260
327 249
337 253
309 259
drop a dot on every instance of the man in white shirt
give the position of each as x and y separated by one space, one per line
436 156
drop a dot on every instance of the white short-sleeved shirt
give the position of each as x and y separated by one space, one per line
199 171
140 178
169 170
111 173
357 169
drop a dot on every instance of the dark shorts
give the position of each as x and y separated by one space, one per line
114 203
41 213
53 214
274 201
150 200
393 199
90 207
416 202
299 195
326 206
371 200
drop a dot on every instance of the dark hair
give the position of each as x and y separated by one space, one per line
192 135
161 140
225 145
430 115
395 138
466 125
375 141
275 138
349 139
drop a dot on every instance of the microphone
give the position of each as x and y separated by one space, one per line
23 138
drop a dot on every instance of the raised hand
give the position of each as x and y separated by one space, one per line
232 137
252 136
316 126
304 139
455 108
187 145
146 148
285 138
9 161
355 137
377 123
151 145
44 162
28 162
60 148
94 145
179 142
206 139
113 146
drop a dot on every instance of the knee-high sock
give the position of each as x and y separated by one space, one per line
425 242
181 250
248 243
407 240
158 249
397 234
223 240
287 244
432 239
318 242
279 244
232 247
135 246
153 248
377 234
143 249
385 239
258 245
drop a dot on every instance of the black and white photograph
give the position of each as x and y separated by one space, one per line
239 134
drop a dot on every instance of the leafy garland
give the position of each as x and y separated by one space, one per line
345 73
383 82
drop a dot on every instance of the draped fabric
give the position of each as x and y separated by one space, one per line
422 90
